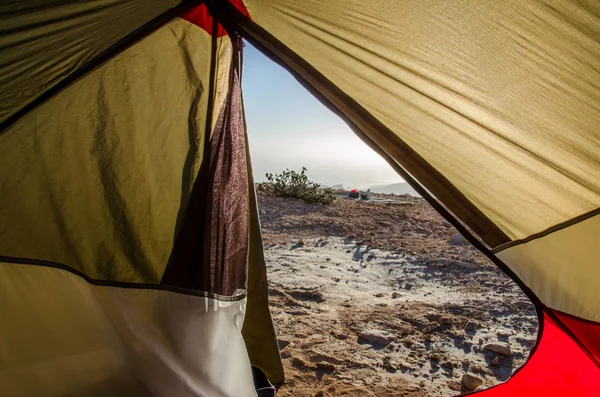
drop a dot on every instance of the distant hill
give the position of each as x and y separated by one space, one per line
337 187
395 188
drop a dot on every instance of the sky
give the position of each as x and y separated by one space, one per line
289 128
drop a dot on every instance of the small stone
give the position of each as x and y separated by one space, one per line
432 316
457 239
376 337
470 326
453 385
499 347
282 343
379 295
464 265
447 364
395 295
471 382
319 358
340 335
495 361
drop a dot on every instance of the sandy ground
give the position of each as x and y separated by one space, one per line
382 298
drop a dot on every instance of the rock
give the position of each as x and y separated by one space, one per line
282 343
453 385
311 295
495 361
457 239
395 295
464 265
471 382
447 364
529 343
432 316
435 356
470 326
499 347
340 335
376 337
319 358
379 295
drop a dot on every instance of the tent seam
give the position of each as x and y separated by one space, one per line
119 284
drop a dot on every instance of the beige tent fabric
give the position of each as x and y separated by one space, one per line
501 97
62 336
95 178
562 268
42 42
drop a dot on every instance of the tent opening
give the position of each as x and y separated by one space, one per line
375 292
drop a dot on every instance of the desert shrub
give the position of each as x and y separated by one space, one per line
293 184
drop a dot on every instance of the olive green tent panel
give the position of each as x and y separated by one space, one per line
99 173
42 42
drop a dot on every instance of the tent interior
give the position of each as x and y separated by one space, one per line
131 256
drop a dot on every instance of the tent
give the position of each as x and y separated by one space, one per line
130 248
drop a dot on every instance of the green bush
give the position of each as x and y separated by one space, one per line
294 184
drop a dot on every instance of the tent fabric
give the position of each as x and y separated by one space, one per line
490 84
86 339
95 198
587 332
130 246
540 263
558 367
43 42
98 183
